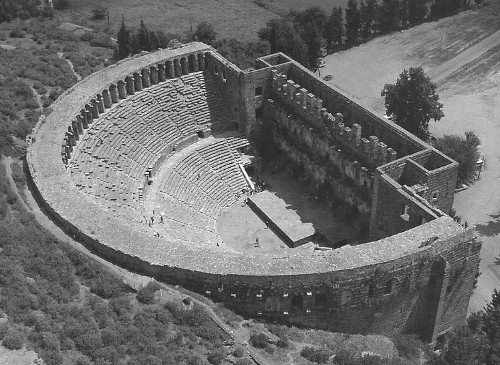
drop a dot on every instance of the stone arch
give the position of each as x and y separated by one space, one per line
177 68
321 300
371 290
153 73
297 302
146 81
169 69
388 286
161 72
201 61
192 63
184 66
207 56
346 297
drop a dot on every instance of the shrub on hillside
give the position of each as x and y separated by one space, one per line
316 355
146 295
13 339
217 355
258 340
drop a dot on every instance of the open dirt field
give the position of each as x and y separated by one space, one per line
461 54
240 19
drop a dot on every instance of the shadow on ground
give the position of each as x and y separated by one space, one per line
492 228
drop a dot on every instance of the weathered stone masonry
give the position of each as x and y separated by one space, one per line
415 276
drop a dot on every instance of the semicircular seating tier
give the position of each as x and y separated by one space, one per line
194 185
111 159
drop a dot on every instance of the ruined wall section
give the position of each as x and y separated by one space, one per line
337 101
228 79
304 105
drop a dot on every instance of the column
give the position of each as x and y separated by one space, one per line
82 120
94 109
122 91
113 93
100 104
137 81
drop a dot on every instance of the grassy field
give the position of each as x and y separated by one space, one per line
239 19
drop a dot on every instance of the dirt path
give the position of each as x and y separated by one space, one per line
470 54
71 66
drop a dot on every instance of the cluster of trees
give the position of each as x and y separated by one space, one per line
301 35
240 53
143 39
477 343
63 305
412 102
464 150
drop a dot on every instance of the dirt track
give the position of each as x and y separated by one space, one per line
456 47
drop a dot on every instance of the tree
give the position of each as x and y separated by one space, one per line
143 38
463 150
312 38
334 28
417 10
283 37
412 102
123 38
389 13
353 22
205 33
368 16
61 4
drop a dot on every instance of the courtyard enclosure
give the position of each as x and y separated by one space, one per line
136 162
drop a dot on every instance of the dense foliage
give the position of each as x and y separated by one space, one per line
66 306
412 102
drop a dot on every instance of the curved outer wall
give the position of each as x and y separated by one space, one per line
417 281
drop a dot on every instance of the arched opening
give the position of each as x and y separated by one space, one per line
388 287
191 63
169 70
206 60
371 291
320 300
184 66
297 302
